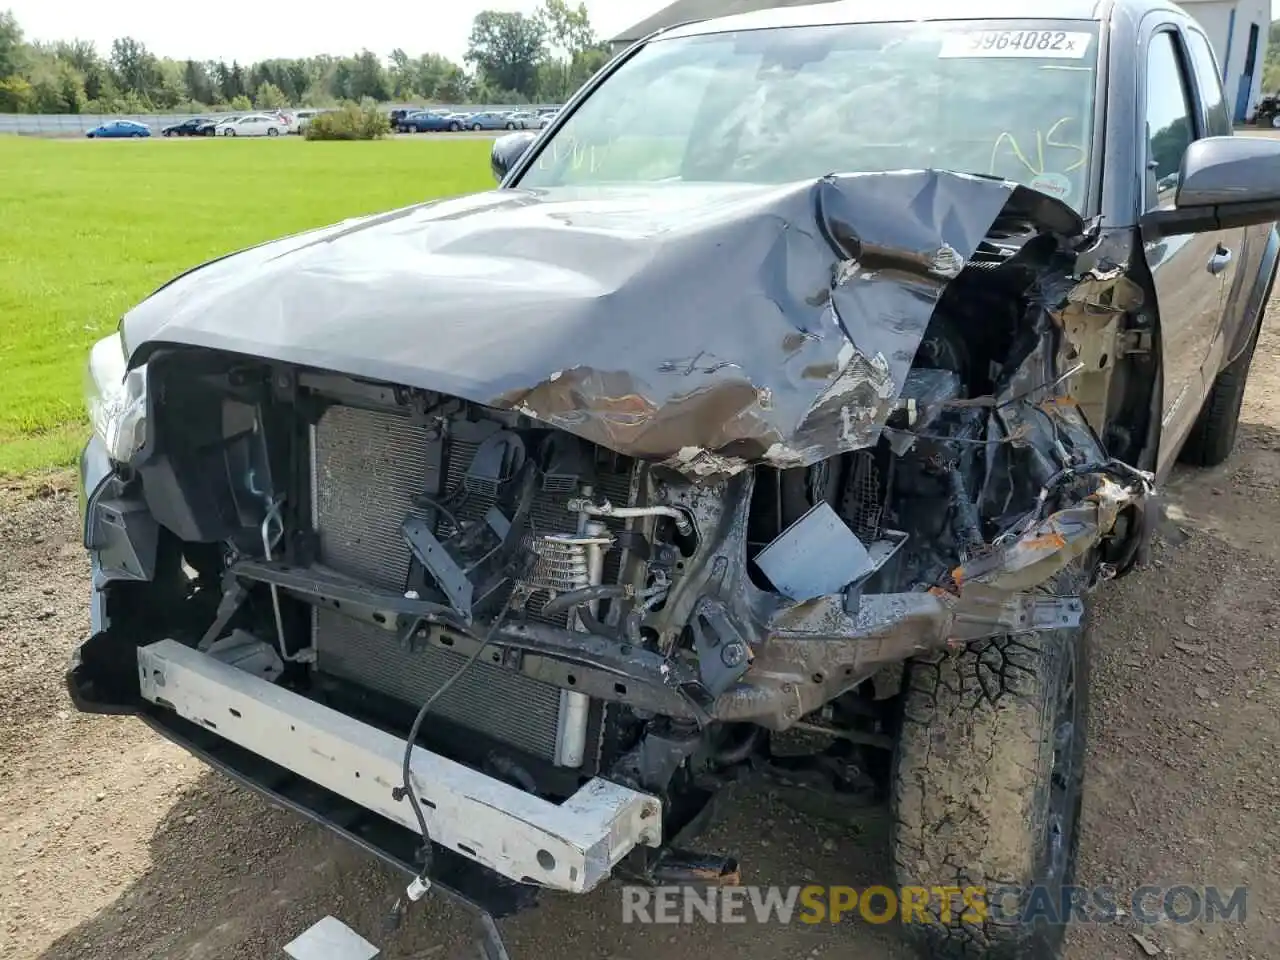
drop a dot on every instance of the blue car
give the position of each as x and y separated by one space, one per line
119 128
428 121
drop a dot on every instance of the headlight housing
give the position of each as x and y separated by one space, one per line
116 399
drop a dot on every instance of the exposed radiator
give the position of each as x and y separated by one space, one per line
499 703
367 469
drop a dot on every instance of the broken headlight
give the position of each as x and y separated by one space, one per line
116 398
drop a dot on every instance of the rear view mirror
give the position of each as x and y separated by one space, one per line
1224 182
506 151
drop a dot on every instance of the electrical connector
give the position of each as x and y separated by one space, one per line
418 888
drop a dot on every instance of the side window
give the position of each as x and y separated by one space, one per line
1218 121
1170 129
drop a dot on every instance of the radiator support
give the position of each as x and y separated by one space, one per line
369 468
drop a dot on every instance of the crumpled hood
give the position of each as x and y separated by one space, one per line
708 326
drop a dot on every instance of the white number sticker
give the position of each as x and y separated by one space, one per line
1055 44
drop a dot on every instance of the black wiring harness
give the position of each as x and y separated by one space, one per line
421 882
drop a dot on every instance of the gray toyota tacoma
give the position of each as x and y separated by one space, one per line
774 417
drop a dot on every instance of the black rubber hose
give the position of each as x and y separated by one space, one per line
967 517
592 625
738 752
576 598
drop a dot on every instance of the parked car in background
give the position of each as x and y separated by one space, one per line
210 127
428 121
187 128
487 120
253 125
523 120
302 119
117 129
1267 113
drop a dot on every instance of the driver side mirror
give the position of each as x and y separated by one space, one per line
506 151
1224 182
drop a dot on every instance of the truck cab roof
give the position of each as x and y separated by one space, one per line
856 11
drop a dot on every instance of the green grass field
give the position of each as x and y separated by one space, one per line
87 229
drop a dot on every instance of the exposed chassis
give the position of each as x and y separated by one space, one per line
814 651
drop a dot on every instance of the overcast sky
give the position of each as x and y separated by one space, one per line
248 30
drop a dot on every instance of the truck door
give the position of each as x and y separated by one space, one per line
1189 272
1247 244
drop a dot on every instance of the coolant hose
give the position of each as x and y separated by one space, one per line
576 598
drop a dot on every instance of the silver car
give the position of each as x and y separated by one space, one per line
488 120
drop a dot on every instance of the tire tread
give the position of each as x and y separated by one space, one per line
970 774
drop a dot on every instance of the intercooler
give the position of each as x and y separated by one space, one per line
367 469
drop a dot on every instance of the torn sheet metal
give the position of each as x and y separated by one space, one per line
1091 312
815 556
709 326
818 650
1048 547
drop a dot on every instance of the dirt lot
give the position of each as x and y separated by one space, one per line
114 844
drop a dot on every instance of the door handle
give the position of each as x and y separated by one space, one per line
1218 262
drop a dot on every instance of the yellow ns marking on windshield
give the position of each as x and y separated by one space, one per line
1046 44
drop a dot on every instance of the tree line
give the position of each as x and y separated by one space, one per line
511 58
1271 66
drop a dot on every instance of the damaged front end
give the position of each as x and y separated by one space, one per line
612 577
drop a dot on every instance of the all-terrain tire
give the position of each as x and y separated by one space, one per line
981 754
1213 436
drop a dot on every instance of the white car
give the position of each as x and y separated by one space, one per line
254 125
302 119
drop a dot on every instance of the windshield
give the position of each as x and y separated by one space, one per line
1008 98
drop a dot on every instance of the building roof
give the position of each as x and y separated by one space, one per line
751 14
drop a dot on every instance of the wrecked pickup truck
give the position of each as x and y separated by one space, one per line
753 425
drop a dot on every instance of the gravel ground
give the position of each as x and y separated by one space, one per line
115 844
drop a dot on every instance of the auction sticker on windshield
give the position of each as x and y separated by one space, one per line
1054 44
